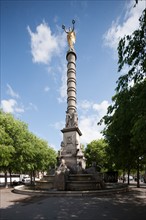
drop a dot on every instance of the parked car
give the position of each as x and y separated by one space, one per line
27 180
130 177
16 183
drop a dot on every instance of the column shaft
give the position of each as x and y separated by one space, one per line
71 82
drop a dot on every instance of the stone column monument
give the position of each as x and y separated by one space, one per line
71 151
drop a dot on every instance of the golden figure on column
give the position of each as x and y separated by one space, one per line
71 36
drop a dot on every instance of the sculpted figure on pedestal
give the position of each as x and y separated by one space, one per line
71 120
75 119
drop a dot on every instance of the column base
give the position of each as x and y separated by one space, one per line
71 150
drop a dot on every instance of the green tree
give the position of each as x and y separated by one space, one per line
44 156
21 151
118 130
17 132
6 149
132 54
139 119
126 118
96 152
6 152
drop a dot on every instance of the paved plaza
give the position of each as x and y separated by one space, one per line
127 206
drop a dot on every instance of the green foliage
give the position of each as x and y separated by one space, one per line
126 126
6 148
20 150
6 155
125 121
96 152
132 54
138 131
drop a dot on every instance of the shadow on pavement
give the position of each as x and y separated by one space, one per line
128 206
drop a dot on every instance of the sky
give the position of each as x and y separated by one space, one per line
33 65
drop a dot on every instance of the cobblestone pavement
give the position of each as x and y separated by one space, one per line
125 206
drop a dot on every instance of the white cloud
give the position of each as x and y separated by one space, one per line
19 110
8 105
11 92
14 107
101 108
58 126
44 44
90 130
53 146
63 88
56 19
85 105
88 121
11 106
46 89
129 24
32 107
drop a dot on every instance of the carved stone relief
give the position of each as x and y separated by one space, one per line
71 120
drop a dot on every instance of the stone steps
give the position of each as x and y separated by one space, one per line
82 185
77 182
73 182
80 177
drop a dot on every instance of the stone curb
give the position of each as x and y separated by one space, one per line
52 193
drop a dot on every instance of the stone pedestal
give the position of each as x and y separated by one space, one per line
71 150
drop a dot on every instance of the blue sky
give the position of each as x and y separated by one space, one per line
33 61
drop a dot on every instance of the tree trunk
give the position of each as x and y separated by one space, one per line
10 172
34 176
138 182
6 180
123 176
128 176
31 175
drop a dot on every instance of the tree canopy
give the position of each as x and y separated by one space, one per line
20 150
125 122
132 54
96 152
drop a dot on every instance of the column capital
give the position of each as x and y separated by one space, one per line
71 51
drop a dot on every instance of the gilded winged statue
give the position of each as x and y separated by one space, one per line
71 36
